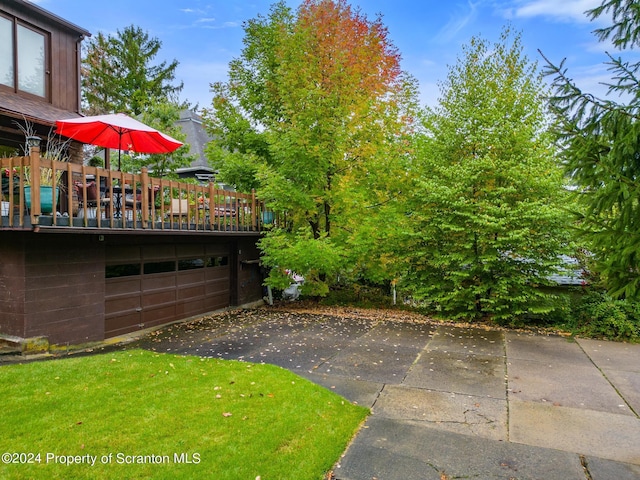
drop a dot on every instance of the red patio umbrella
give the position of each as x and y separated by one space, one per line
117 131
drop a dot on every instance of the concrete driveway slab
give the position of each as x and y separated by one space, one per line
553 383
618 356
543 348
399 450
459 373
375 363
399 334
620 364
600 469
472 341
627 384
359 392
338 329
471 415
587 432
552 370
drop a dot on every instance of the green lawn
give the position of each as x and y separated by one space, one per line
138 414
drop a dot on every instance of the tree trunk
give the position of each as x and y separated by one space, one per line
327 218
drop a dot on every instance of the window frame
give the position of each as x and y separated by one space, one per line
15 22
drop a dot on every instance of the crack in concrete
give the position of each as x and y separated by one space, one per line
487 421
506 385
585 467
384 385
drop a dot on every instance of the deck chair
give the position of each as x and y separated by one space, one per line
179 207
90 192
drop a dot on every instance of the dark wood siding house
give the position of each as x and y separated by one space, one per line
39 69
103 261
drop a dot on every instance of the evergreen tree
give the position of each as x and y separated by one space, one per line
600 139
118 74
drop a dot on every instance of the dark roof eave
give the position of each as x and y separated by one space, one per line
52 17
194 169
40 112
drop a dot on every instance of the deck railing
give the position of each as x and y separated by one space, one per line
90 197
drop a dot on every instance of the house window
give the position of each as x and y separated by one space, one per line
31 61
159 267
191 264
217 261
126 270
23 58
6 52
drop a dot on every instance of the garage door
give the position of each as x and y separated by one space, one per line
147 286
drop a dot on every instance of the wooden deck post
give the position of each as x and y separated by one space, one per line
34 162
254 224
212 205
145 186
71 189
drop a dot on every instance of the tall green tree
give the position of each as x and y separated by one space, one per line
315 108
245 108
600 140
119 74
485 224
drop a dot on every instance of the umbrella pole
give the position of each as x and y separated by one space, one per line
107 166
119 150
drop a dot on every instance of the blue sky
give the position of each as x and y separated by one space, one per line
204 35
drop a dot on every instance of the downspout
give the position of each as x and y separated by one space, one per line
79 72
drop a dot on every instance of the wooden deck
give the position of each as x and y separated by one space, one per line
94 199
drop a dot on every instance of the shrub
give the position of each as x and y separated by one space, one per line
359 295
597 314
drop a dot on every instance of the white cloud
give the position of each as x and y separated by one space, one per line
465 16
562 10
197 11
222 26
